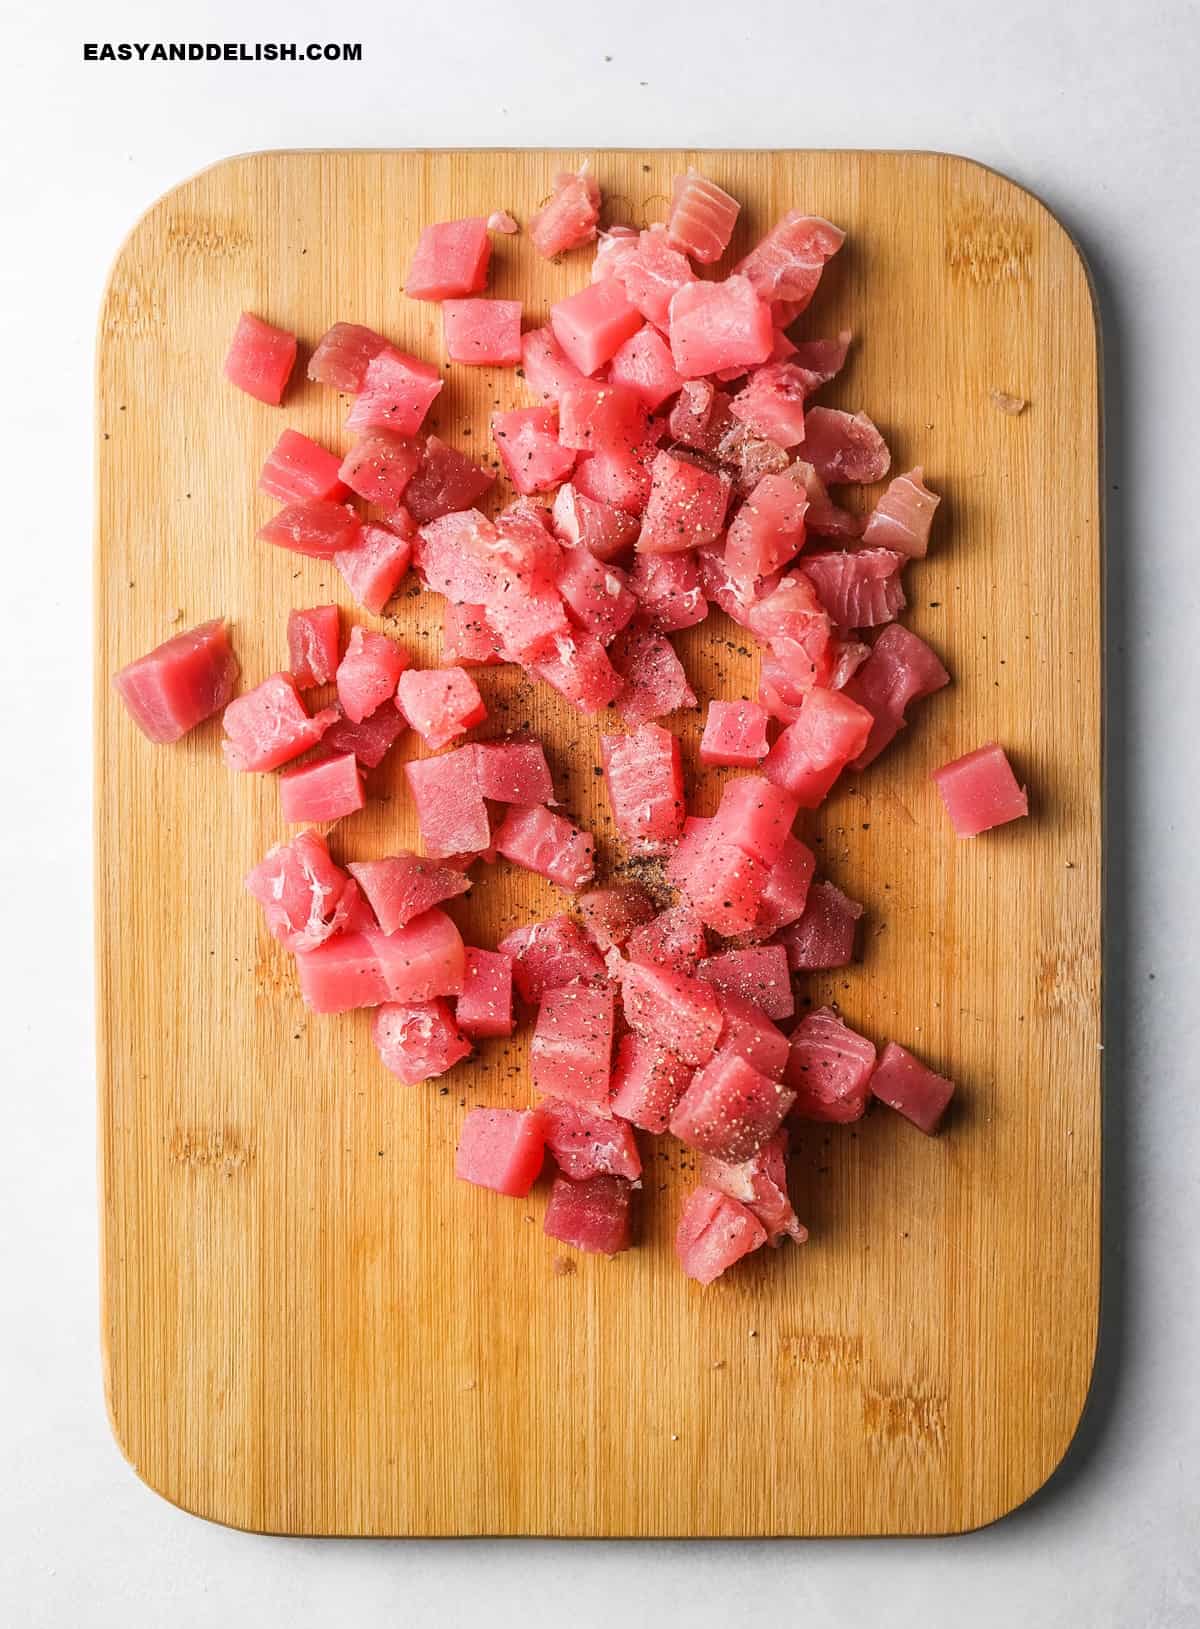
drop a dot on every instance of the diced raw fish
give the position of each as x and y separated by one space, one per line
317 527
748 1033
440 703
644 776
485 1007
514 771
302 892
980 791
421 961
650 271
725 885
672 1010
446 481
619 476
760 1184
808 757
546 955
596 593
690 848
501 1149
527 441
180 683
370 741
844 447
700 418
735 732
260 359
501 221
702 217
297 468
530 624
829 1068
342 355
903 516
714 1232
587 1144
714 326
821 360
570 1055
824 936
860 588
320 792
460 555
313 637
547 368
374 568
450 809
397 392
479 332
846 657
569 216
466 638
603 529
797 627
379 467
686 506
580 670
786 893
647 1082
270 725
757 815
767 531
592 324
778 691
644 365
788 263
675 940
730 1109
548 844
368 673
824 517
592 1215
669 590
655 682
910 1087
758 974
405 885
748 457
417 1040
900 669
613 248
450 260
612 913
771 403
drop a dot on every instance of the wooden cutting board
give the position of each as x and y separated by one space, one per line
308 1325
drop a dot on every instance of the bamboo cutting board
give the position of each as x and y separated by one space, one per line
308 1325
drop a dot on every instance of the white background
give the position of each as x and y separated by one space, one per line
1096 111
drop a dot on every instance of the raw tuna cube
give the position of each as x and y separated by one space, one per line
302 892
571 1052
980 791
405 885
644 775
714 1232
440 703
527 440
514 771
910 1087
859 589
501 1149
569 217
587 1144
686 506
820 360
450 808
547 368
613 248
759 974
260 359
342 974
342 354
379 466
748 1033
647 1082
719 325
824 518
501 221
549 954
674 939
702 217
423 959
761 1185
691 846
900 669
321 792
672 1010
844 447
374 568
846 656
700 417
482 331
597 595
796 626
618 476
735 597
459 556
446 481
601 528
527 544
297 468
650 271
270 725
417 1040
592 324
749 457
726 884
735 732
467 641
180 683
547 844
903 516
644 365
757 816
655 683
611 914
591 1215
485 1006
450 260
597 413
767 531
317 527
771 403
313 638
530 625
823 937
370 741
786 892
829 1068
581 671
669 591
368 673
788 263
397 392
811 753
730 1109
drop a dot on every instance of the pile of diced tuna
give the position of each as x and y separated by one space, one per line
671 459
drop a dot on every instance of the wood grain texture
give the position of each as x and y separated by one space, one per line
308 1325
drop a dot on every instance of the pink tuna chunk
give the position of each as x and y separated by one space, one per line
313 638
374 567
844 447
650 271
900 669
903 516
450 260
592 324
368 673
547 368
548 954
714 1232
302 892
602 528
686 506
725 885
595 414
596 594
823 938
446 482
730 1110
980 791
527 441
786 893
714 326
669 590
910 1087
771 403
820 360
485 1007
674 940
298 468
569 217
758 974
342 355
824 517
467 641
580 670
672 1010
571 1052
796 626
530 623
405 885
859 588
420 961
547 844
644 365
647 1082
735 732
611 914
260 359
269 725
757 816
514 771
747 1032
811 753
655 682
321 792
440 703
829 1068
379 467
316 527
450 808
702 217
644 776
760 1184
501 1149
481 332
397 392
767 531
591 1215
587 1144
370 741
788 263
180 683
417 1040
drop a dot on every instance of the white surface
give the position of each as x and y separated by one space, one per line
1095 111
